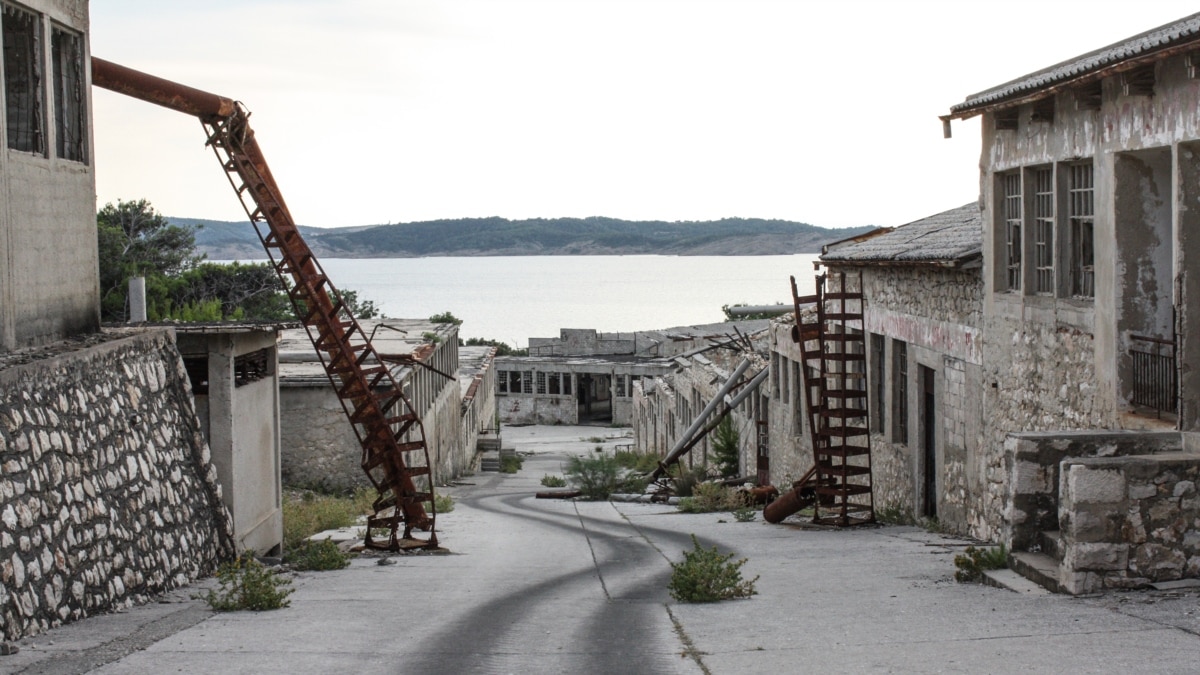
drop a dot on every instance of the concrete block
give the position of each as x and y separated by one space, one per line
1084 526
1142 490
1092 556
1079 583
1031 478
1093 486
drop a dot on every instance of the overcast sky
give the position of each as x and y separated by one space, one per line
377 111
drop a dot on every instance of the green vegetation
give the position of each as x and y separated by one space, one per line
318 556
546 235
711 497
726 448
502 348
893 515
136 240
706 575
596 476
431 337
444 503
306 513
554 481
744 513
594 439
638 462
974 561
445 317
511 463
685 480
246 584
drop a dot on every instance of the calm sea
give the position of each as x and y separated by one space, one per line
515 298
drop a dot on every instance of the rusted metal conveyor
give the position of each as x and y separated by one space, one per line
394 453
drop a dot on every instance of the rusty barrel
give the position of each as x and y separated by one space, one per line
787 504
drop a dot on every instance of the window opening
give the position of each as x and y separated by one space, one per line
70 100
1012 227
502 381
23 79
1080 215
541 383
251 367
620 386
900 390
554 384
526 382
567 379
197 372
1043 213
878 357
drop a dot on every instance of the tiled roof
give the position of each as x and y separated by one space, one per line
1176 33
953 238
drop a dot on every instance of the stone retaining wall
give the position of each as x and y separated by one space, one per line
107 489
1129 521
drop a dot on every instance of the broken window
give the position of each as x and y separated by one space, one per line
567 379
197 372
541 383
1043 225
514 382
1080 216
70 100
620 386
1012 229
501 382
252 367
22 32
526 382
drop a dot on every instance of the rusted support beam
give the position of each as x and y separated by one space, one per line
159 91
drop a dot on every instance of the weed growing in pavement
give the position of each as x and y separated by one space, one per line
710 497
595 476
685 480
444 503
511 463
593 439
707 575
307 513
246 584
640 462
744 513
974 561
317 556
894 515
554 481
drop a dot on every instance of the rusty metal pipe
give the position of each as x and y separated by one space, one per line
159 91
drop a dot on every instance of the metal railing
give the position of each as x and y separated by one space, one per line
1154 373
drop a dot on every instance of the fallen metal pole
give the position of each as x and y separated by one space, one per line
684 443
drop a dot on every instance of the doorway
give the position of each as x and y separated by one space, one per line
928 443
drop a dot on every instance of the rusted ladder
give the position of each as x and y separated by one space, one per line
832 346
394 453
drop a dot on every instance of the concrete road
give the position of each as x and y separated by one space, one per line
537 586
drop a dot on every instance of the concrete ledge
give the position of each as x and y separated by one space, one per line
1011 581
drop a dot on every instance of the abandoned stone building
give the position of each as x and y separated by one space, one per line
453 389
585 377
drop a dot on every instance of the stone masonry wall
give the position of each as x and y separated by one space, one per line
1129 521
952 296
107 492
1037 377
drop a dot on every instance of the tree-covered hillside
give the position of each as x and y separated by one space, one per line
536 236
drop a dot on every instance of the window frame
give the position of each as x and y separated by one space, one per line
1081 221
1044 214
25 121
70 94
1012 216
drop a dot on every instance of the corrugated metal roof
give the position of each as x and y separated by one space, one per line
1179 32
953 237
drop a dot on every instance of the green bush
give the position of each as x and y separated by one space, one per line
318 556
595 476
710 497
706 575
246 584
640 462
511 463
974 561
444 503
744 513
685 480
554 481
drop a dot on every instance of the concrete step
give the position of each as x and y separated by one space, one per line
488 444
489 461
1037 567
1052 544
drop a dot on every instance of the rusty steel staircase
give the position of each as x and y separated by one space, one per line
833 348
394 453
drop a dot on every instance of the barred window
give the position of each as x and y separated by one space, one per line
70 99
1043 214
900 389
23 95
553 386
1012 229
501 382
526 382
879 375
1080 216
620 386
541 383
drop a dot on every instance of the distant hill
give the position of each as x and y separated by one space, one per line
223 240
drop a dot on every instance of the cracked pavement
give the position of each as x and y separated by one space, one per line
550 586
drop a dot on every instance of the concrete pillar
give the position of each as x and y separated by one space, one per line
137 299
